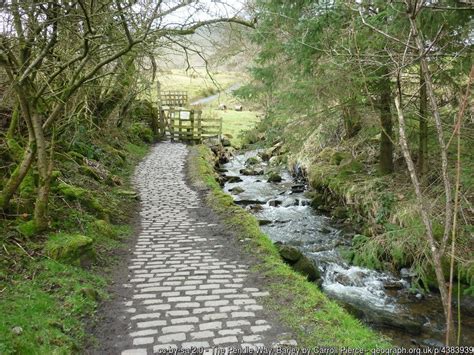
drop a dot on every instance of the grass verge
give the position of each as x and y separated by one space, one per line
314 319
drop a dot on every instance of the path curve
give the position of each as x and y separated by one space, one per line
188 284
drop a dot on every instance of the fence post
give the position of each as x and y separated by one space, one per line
199 125
191 118
171 120
180 126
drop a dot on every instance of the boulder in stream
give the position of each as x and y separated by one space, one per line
297 188
236 190
252 161
274 203
265 156
299 262
290 254
250 172
225 142
255 208
274 177
306 267
381 317
290 202
232 179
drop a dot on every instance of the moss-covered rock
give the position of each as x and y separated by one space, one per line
299 262
105 229
274 177
69 248
236 190
290 253
232 179
250 172
307 268
252 161
94 204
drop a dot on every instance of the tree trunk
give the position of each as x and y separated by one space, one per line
351 119
423 128
17 177
435 250
13 124
22 169
430 91
44 169
386 145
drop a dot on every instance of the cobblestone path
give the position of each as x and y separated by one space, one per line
186 289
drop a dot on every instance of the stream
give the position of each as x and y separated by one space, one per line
380 299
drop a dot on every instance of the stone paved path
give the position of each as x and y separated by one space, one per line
187 290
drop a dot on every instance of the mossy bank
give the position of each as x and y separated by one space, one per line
52 282
316 320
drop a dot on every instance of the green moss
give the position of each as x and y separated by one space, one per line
28 229
28 186
91 202
69 248
16 151
140 131
105 229
71 192
87 170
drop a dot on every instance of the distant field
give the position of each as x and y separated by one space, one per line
199 85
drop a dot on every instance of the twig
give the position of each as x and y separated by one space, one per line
19 246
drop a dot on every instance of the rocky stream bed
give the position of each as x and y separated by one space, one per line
312 242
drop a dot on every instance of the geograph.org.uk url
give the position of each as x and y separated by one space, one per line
318 350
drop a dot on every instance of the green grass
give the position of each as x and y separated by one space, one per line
299 304
44 303
47 305
234 123
197 82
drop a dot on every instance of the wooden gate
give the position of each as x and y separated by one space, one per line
174 99
178 123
